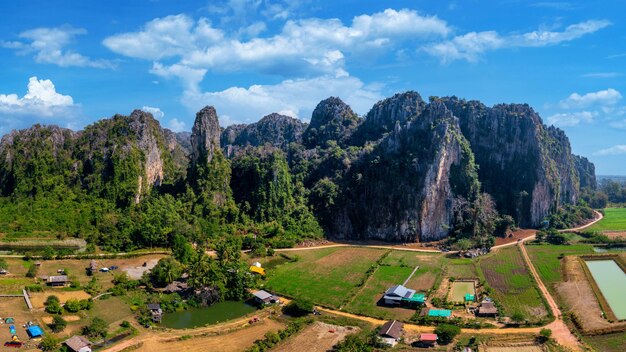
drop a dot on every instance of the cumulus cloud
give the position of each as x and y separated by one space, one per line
619 149
296 98
603 97
302 47
49 46
156 112
471 46
572 118
40 103
176 125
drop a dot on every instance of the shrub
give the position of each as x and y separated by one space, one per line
299 307
446 332
125 324
58 324
32 271
97 328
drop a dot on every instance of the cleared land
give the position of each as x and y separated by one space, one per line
325 276
614 220
318 337
459 289
513 286
547 260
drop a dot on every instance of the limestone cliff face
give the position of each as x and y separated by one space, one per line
275 130
403 190
527 167
205 136
332 119
586 172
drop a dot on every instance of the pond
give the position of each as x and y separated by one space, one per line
611 280
216 313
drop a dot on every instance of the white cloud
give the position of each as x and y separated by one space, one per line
614 150
191 77
49 46
471 46
176 125
605 97
156 112
295 98
41 103
302 47
572 118
602 75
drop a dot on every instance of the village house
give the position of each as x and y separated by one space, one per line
78 344
400 295
263 297
391 332
427 340
156 312
59 280
487 309
93 267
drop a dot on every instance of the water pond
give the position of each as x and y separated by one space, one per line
196 317
611 280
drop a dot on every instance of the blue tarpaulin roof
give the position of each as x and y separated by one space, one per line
439 313
34 331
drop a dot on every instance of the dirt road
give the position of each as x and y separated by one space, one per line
560 331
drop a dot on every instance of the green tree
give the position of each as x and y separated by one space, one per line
518 317
446 332
3 264
49 343
182 250
97 328
165 272
299 307
53 305
72 305
544 335
58 324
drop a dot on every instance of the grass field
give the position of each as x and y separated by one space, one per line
462 268
513 286
614 220
460 289
328 276
546 260
608 343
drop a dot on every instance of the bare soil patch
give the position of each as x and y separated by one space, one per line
38 298
135 269
67 318
422 282
236 341
580 299
319 337
514 236
615 234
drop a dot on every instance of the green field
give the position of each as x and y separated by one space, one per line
614 220
505 272
328 276
608 343
546 260
395 269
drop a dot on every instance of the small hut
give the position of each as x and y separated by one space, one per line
78 344
59 280
428 340
391 332
156 312
93 267
487 309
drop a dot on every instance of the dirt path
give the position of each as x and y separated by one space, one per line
560 331
599 217
394 247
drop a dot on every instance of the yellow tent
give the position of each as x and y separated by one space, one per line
256 269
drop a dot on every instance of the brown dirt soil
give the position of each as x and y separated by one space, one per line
579 297
422 282
68 318
38 298
342 257
514 236
515 349
231 342
615 234
14 308
316 338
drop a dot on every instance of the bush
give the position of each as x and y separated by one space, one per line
97 328
58 324
32 271
298 308
33 288
125 324
446 333
49 343
544 335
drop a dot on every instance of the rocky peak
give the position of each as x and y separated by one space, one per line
386 114
586 172
332 119
205 136
274 129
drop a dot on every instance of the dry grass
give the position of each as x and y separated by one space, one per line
316 338
38 298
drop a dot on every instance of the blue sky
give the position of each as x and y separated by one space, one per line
73 62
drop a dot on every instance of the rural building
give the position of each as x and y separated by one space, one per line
34 332
175 287
435 313
391 332
156 312
78 344
60 280
93 267
400 295
264 297
428 340
487 309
